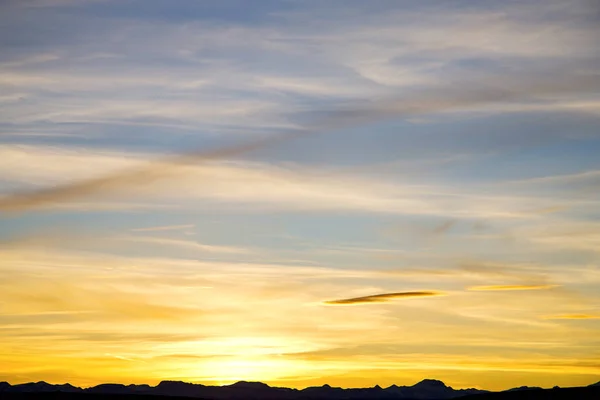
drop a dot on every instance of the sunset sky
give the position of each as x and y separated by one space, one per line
300 192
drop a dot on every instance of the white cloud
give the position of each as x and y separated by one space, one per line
265 185
185 244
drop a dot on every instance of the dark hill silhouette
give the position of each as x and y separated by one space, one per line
576 393
428 389
523 388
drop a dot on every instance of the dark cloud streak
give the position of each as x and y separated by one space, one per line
444 228
383 298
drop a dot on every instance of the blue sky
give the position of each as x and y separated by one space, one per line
442 146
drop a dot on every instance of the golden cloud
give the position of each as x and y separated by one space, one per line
572 316
510 287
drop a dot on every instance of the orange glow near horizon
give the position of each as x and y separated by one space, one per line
237 322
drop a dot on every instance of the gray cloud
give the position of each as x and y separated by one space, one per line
444 227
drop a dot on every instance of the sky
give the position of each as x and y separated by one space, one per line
300 192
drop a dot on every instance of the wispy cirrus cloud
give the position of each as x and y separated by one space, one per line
238 182
141 175
485 288
186 244
383 298
164 228
470 94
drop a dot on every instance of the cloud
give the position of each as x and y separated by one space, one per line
186 244
164 228
572 316
572 235
510 287
473 270
251 184
550 210
486 270
55 3
580 181
130 177
444 227
155 323
440 99
354 58
383 298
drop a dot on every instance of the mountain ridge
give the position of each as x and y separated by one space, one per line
426 389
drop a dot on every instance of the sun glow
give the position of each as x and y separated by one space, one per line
251 369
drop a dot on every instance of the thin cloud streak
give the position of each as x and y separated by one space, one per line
164 228
186 244
256 185
140 175
572 316
383 298
510 287
444 228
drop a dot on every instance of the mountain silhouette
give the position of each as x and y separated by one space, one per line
427 389
524 388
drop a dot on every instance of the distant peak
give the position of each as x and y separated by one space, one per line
516 389
246 384
431 383
173 383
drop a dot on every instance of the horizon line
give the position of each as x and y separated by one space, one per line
291 388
